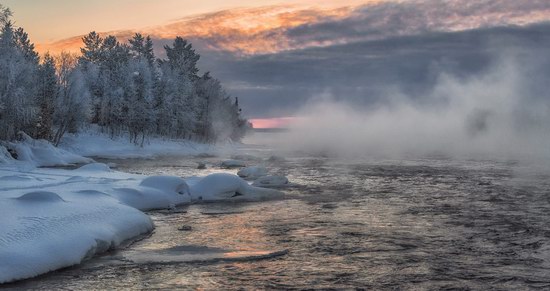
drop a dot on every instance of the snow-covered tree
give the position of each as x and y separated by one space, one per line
73 100
178 74
5 14
121 87
17 83
47 94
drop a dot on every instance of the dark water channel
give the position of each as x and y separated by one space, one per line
429 224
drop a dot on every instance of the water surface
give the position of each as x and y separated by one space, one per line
418 224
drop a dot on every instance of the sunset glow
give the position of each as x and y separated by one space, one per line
280 122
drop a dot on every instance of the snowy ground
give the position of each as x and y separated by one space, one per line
94 144
54 218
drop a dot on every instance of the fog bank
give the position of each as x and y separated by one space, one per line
501 112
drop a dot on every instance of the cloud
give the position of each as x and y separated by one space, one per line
242 31
493 114
272 29
364 72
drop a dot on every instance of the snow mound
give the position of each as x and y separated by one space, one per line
41 153
138 199
271 181
252 172
40 196
38 238
5 156
221 186
233 164
167 183
95 167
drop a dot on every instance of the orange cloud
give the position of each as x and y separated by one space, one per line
273 29
245 31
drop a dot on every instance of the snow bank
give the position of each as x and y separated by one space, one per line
41 153
55 218
93 143
42 232
252 172
221 186
5 156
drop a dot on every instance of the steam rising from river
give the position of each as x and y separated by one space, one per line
494 113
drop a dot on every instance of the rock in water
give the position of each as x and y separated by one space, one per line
233 164
271 181
252 172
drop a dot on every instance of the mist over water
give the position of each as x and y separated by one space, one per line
501 113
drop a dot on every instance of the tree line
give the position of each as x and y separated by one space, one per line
121 87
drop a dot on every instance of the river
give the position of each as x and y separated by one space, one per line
380 224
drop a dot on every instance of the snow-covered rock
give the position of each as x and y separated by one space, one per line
271 181
252 172
5 156
95 167
222 186
167 184
233 164
41 153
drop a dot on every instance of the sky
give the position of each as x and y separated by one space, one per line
278 55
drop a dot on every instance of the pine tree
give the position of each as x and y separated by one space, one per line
47 93
25 46
5 14
92 52
17 86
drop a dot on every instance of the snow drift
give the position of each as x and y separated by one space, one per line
41 153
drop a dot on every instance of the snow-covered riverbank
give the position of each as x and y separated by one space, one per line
54 218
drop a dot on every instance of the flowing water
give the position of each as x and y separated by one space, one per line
417 224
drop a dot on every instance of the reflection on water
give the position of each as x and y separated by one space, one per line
399 225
